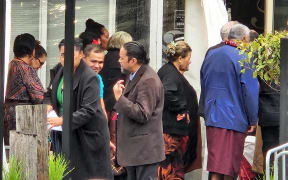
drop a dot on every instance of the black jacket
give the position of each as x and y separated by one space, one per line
180 98
90 155
269 105
110 74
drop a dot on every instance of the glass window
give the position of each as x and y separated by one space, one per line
24 19
46 20
281 15
84 9
133 16
253 16
173 23
27 16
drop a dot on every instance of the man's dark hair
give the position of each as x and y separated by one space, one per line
39 50
24 45
77 43
136 50
92 48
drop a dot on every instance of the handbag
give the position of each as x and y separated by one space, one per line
116 168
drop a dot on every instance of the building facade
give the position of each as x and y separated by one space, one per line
155 23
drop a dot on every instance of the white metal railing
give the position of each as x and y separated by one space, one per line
278 152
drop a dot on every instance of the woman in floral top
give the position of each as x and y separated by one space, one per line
23 85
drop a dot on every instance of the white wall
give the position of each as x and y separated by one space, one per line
196 37
215 17
156 27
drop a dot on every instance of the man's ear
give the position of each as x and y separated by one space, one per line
134 60
245 39
81 54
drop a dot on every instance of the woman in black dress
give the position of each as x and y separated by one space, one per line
180 118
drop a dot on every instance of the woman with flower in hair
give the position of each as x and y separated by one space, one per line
95 33
180 119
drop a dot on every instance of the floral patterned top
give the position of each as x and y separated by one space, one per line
23 87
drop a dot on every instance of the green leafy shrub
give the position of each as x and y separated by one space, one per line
265 53
264 176
58 167
15 170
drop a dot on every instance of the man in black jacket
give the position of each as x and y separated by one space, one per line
269 116
90 156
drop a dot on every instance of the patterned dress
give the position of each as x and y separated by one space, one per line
173 166
23 87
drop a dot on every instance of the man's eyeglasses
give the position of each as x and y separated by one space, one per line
40 62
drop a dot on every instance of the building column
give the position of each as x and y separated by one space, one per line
43 32
156 31
68 79
2 65
269 15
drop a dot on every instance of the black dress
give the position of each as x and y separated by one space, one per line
180 97
110 74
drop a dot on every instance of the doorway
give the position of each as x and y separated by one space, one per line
247 12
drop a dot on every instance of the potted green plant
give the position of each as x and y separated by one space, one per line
58 167
263 55
14 171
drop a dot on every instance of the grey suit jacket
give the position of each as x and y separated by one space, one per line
139 125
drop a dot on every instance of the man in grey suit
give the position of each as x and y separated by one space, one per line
140 145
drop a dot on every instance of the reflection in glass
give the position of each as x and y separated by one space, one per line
173 23
84 9
24 19
281 15
133 16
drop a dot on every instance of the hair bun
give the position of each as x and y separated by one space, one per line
92 26
89 22
171 49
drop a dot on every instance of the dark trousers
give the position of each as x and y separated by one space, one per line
270 137
121 177
144 172
56 144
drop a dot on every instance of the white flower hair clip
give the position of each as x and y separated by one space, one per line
171 49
